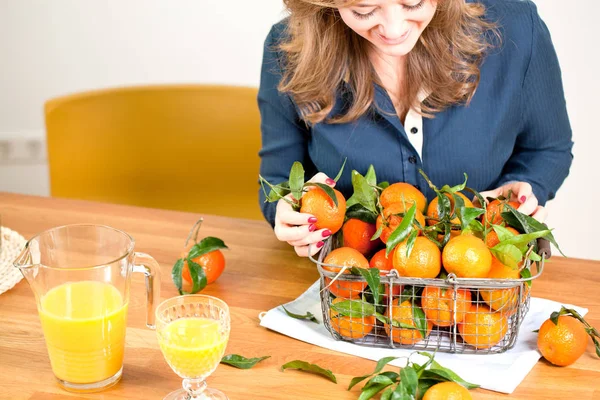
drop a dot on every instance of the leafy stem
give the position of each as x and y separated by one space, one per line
593 332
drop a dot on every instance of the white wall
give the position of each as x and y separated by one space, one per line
50 48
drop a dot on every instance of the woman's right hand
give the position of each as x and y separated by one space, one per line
299 229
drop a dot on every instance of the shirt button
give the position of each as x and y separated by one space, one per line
414 130
412 159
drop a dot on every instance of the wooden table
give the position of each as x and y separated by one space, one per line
261 273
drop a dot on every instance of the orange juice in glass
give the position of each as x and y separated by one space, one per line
193 331
80 275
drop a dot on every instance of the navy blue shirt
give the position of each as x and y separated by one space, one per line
516 127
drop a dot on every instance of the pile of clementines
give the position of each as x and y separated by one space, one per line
426 249
385 231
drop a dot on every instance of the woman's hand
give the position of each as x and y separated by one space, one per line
522 193
298 229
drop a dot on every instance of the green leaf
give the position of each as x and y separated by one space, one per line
408 293
354 308
524 239
502 232
476 226
380 379
380 364
277 191
384 184
409 378
393 322
363 192
372 391
357 211
327 189
403 230
477 195
339 174
444 207
444 374
176 274
424 385
307 367
526 224
241 362
467 215
297 179
309 316
410 243
394 376
507 254
351 202
370 176
533 256
526 274
198 275
373 279
457 188
206 245
401 393
419 319
387 395
377 233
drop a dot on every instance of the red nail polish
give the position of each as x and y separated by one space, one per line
312 227
523 199
329 181
320 244
326 233
312 220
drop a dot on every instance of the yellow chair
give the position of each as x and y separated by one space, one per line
181 147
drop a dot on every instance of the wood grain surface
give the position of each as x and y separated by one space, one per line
261 273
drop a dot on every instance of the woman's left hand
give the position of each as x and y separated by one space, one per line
522 193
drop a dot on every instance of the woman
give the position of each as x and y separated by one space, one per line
446 86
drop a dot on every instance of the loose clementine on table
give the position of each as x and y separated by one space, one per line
562 344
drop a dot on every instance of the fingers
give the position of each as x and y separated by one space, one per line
313 238
322 178
303 251
529 206
540 213
299 229
522 191
286 215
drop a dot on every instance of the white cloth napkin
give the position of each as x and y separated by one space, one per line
498 372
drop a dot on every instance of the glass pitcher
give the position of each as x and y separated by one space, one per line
80 275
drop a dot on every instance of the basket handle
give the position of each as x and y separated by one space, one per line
544 248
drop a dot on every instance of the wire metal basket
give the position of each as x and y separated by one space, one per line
455 315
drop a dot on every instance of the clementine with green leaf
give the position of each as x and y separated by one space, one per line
329 215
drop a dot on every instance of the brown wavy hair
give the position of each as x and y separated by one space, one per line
321 51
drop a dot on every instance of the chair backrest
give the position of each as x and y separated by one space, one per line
184 147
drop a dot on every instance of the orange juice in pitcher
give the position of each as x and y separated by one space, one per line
80 275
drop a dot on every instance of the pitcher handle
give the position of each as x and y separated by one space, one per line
148 266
